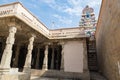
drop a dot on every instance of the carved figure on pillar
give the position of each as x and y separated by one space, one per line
29 55
45 63
62 59
6 58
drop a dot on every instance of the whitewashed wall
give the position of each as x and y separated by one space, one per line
73 56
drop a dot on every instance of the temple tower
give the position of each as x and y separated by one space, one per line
88 21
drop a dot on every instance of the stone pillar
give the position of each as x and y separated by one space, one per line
6 58
62 58
16 55
52 59
45 63
27 65
37 60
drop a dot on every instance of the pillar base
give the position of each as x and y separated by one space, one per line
4 70
28 71
45 69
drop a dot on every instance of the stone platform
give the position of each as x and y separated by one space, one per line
13 76
58 75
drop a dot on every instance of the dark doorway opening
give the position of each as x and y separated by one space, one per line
57 57
13 56
49 57
41 58
22 57
34 57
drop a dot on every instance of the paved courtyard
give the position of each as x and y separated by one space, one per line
93 76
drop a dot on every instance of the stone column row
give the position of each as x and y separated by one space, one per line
6 58
7 54
45 61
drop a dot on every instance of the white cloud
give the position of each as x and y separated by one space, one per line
62 19
48 1
74 2
72 7
74 11
94 3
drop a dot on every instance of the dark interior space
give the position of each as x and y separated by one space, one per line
41 57
13 56
22 57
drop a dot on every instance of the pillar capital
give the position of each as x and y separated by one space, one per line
12 29
46 46
33 35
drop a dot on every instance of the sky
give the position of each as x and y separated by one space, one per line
57 14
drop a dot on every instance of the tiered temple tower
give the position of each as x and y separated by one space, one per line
88 21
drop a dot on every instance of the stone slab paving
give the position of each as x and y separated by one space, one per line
96 76
93 76
38 78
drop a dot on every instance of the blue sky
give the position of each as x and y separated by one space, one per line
58 13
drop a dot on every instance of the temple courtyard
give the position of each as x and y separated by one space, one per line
31 51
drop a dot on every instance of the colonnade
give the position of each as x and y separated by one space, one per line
7 54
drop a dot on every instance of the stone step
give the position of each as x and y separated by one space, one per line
45 78
96 76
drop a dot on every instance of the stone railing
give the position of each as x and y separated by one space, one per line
19 11
67 33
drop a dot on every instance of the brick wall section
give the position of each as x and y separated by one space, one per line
108 39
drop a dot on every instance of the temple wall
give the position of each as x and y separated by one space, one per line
108 39
73 56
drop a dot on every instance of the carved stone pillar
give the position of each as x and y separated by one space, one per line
52 60
45 63
62 58
38 56
6 58
27 65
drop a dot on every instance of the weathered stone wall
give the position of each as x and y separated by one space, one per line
73 56
108 39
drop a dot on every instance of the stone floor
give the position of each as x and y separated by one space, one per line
96 76
37 78
93 76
